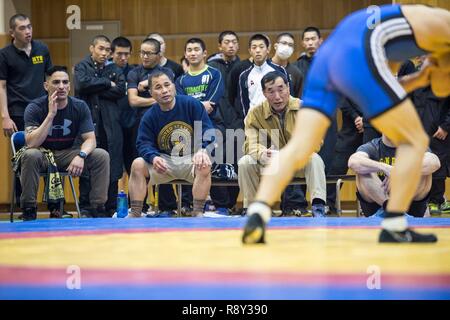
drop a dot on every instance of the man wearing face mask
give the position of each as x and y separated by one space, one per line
284 48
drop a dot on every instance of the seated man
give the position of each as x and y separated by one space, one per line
165 144
54 122
271 124
372 162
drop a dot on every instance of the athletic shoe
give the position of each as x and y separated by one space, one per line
434 208
29 214
56 214
300 212
223 211
445 207
254 231
406 236
318 210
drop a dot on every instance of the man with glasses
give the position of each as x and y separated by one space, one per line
164 62
54 122
284 48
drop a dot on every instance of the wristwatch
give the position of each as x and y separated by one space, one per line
82 155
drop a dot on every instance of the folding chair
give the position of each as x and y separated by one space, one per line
17 142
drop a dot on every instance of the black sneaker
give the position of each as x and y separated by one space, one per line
28 214
186 211
56 214
254 231
406 236
86 213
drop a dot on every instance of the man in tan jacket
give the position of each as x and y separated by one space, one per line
268 128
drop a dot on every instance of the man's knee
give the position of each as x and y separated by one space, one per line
32 155
204 172
100 156
247 164
139 167
316 161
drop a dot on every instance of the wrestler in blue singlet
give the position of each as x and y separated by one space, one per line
353 63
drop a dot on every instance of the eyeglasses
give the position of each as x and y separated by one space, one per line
57 82
287 43
148 53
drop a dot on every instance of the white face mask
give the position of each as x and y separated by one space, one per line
284 51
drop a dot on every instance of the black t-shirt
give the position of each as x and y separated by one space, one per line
70 122
380 152
24 75
175 67
138 74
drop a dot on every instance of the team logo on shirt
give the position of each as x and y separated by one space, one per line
37 59
65 128
175 138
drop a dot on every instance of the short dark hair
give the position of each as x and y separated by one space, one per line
271 77
100 37
311 29
196 40
19 16
226 33
155 43
121 42
157 74
259 36
183 59
285 34
54 69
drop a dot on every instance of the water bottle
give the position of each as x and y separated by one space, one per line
122 204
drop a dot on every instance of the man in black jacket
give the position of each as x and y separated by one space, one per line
224 61
101 85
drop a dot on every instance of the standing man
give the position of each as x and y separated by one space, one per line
284 48
164 62
205 84
121 49
23 64
250 90
101 85
224 61
311 41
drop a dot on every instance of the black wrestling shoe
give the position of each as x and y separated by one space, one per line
254 231
406 236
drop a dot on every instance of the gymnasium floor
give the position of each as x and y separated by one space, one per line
195 258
